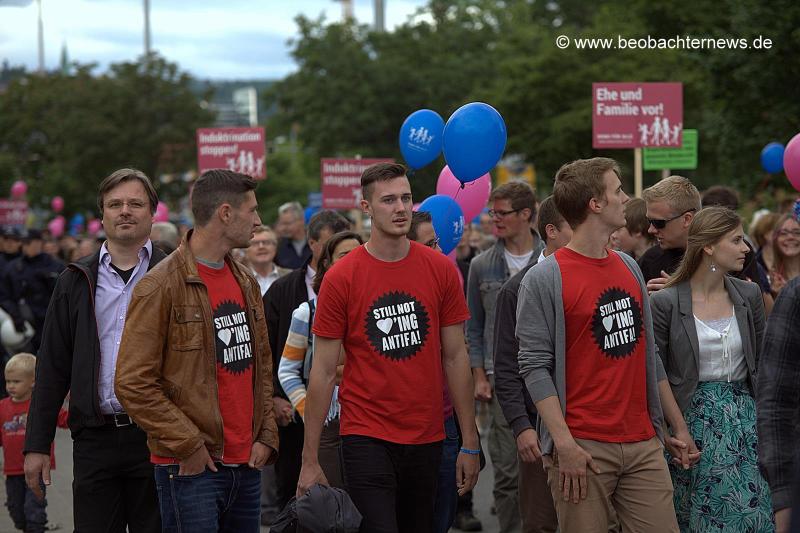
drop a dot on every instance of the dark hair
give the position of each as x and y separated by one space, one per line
216 187
417 219
121 176
326 260
520 194
548 214
721 195
380 172
577 183
326 219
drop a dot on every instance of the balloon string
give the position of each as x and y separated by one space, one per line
455 197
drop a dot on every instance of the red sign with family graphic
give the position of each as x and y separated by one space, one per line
238 149
13 212
341 181
635 115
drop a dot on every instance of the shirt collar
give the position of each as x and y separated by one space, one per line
274 272
145 253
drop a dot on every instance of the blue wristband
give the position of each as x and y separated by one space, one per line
470 452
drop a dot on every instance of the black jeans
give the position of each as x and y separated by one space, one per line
28 512
392 485
287 467
113 483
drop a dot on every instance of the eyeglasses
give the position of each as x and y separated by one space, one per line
789 232
502 214
433 243
660 223
263 243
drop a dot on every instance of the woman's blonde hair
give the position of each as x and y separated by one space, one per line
708 227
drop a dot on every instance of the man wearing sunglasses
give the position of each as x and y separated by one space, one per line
671 206
513 207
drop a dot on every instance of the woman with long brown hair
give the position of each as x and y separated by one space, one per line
709 328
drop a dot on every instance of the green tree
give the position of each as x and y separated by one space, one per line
64 133
354 87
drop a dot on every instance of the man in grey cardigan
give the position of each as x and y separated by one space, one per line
535 503
587 356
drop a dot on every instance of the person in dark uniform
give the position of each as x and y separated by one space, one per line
27 283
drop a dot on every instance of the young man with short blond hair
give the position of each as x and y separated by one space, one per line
588 358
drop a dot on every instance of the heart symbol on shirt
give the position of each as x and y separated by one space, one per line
608 322
385 325
225 336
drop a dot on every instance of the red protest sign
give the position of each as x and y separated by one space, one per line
341 181
13 212
634 115
238 149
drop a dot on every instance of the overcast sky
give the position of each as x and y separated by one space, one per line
217 39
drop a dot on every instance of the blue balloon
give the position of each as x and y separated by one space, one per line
772 157
474 140
309 212
448 220
421 137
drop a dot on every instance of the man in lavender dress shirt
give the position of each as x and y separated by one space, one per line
113 487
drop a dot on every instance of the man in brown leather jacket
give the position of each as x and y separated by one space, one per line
195 368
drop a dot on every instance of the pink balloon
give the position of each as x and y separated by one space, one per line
472 198
57 226
162 213
57 204
791 161
19 188
94 226
415 207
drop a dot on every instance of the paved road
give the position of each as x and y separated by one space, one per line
59 496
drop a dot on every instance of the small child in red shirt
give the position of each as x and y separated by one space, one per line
28 512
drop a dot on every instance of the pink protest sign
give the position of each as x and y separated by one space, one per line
635 115
341 181
13 212
238 149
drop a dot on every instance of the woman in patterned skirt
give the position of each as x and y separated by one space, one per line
709 327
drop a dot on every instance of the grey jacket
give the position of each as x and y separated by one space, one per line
676 335
487 274
542 340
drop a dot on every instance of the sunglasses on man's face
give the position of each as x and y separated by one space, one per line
661 223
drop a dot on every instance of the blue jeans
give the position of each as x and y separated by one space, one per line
446 491
27 512
226 500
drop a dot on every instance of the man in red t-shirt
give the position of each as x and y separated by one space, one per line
398 310
588 358
195 370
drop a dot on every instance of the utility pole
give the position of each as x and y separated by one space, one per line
146 27
41 38
347 9
380 15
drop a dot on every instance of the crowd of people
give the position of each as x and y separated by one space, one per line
636 359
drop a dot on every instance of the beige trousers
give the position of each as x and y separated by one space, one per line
633 488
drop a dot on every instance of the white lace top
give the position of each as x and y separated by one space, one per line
721 354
